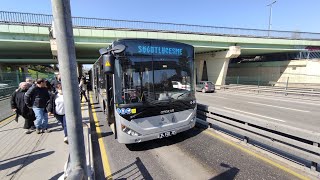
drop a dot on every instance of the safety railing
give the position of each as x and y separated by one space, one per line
285 90
5 108
7 91
290 140
96 23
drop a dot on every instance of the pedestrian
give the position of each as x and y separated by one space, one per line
54 82
83 89
19 106
37 98
29 80
56 108
48 86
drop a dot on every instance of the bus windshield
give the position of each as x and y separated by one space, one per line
150 79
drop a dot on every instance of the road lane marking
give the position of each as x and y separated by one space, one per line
104 156
278 107
255 114
269 161
278 99
213 96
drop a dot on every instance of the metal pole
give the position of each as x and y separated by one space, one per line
68 69
270 17
287 85
17 75
237 80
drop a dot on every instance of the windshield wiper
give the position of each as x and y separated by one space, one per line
182 94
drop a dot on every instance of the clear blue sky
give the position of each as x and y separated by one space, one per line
287 14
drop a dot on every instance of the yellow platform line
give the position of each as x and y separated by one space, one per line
7 119
257 155
105 161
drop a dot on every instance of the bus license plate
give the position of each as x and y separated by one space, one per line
167 134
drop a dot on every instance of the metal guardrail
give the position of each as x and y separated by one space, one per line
97 23
5 108
298 142
7 91
314 92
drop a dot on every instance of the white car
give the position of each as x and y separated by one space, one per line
179 85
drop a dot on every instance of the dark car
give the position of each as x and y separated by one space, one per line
205 86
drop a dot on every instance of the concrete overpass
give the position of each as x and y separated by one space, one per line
24 39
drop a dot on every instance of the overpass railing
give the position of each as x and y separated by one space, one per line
97 23
288 140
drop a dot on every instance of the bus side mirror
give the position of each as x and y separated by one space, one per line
108 63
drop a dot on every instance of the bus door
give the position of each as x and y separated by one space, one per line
109 99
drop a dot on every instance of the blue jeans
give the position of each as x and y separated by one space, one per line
41 121
62 120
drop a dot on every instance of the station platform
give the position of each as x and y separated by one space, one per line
36 156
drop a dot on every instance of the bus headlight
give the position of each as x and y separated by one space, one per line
129 131
193 119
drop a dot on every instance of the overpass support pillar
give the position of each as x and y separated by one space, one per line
217 64
199 68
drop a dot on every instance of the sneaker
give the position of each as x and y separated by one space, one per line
65 140
38 131
28 131
42 130
46 131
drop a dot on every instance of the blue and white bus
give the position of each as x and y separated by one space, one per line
146 88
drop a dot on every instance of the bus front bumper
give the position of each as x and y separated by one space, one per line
127 139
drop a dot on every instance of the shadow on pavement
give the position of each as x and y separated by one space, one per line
135 170
105 134
21 155
11 129
56 177
231 173
22 162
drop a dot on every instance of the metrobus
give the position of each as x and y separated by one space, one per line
146 88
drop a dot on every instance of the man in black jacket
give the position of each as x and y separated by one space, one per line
18 105
37 98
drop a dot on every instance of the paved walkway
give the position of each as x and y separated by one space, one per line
33 156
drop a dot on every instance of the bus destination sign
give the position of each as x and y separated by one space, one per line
158 50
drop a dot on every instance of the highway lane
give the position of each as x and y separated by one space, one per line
195 154
295 112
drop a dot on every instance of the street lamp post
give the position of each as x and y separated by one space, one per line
270 16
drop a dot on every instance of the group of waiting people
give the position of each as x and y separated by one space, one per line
35 101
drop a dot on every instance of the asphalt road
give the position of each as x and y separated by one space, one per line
299 112
194 154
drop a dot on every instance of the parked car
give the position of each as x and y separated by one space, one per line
205 86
